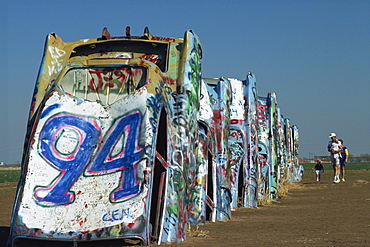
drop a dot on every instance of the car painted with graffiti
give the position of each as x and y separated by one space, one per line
219 189
107 151
125 140
243 142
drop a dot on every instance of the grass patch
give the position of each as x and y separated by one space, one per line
6 188
361 174
329 173
7 176
349 167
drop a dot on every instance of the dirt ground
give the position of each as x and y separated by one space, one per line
311 214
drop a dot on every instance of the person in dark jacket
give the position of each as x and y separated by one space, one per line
319 168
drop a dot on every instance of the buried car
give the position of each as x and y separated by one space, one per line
107 152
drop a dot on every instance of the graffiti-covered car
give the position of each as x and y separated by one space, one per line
107 152
125 140
219 176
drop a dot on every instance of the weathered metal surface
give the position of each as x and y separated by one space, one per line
288 150
281 172
263 147
220 98
202 186
238 140
273 145
298 169
183 135
250 187
88 168
126 140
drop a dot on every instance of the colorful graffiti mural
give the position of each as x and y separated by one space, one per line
273 145
264 135
237 140
219 91
251 169
125 139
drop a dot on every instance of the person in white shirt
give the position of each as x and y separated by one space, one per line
335 151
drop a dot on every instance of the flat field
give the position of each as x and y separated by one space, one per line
311 214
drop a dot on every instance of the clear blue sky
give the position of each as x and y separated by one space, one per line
315 55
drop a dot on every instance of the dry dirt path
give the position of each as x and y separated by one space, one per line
315 214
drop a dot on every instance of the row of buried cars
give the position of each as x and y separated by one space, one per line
126 140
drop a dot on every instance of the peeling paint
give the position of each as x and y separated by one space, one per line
125 139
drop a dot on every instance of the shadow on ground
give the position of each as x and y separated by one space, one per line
4 233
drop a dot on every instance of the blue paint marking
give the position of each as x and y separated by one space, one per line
58 192
117 215
126 127
49 109
72 163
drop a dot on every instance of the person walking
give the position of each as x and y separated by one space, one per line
319 168
343 159
331 136
335 151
